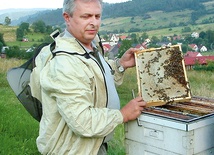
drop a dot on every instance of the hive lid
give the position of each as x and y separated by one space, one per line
161 75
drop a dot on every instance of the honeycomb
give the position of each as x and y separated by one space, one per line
161 75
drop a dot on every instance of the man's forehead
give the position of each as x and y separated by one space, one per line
86 8
83 5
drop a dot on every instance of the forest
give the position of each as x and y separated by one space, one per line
129 9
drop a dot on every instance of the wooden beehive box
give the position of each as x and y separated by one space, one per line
162 76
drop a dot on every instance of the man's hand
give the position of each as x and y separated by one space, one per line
133 109
128 58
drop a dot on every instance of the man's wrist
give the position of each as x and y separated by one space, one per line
119 66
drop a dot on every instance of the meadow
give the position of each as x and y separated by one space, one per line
18 130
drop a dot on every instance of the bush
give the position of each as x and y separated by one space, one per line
15 52
208 67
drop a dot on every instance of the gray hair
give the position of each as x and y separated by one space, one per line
69 5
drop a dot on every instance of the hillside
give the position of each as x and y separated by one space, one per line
141 16
188 11
18 15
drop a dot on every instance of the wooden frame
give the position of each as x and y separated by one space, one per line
161 75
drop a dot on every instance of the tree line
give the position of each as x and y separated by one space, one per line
141 7
37 27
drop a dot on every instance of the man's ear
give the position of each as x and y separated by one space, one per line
66 17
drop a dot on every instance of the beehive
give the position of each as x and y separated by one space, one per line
161 75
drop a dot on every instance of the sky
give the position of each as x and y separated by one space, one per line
8 4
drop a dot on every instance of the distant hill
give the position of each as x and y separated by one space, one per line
18 15
135 15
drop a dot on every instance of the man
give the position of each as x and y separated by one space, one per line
81 107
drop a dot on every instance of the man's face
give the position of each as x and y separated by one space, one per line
85 22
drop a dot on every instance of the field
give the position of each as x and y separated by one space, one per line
18 130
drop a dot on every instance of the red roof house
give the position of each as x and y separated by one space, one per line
192 54
202 60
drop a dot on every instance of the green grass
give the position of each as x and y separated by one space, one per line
201 83
18 130
9 35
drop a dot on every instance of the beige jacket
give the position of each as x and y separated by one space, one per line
73 95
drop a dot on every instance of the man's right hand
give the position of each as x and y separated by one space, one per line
133 109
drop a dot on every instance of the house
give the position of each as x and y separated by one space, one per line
194 47
176 38
147 41
139 46
195 35
3 51
143 45
114 51
193 58
203 49
106 47
123 37
192 54
202 60
164 44
25 40
114 39
3 55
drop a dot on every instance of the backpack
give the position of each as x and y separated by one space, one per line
19 79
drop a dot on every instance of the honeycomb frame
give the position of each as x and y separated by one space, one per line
161 75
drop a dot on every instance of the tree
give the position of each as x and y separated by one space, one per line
39 26
202 34
155 39
143 37
49 29
24 26
134 37
22 31
186 29
2 39
210 36
105 37
1 45
7 20
19 34
126 44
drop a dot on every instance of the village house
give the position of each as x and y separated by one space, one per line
193 58
194 47
195 35
114 39
113 52
3 51
203 49
192 54
122 37
143 45
106 47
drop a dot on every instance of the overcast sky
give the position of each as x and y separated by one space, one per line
8 4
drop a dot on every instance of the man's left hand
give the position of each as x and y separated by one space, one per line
128 58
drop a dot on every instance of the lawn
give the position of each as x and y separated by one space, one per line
18 130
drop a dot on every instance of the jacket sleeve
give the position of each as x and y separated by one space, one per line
71 86
118 77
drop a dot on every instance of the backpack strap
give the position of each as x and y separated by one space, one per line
86 55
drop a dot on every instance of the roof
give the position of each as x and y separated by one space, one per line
201 60
123 37
108 46
192 54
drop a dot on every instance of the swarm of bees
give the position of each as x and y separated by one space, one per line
161 75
